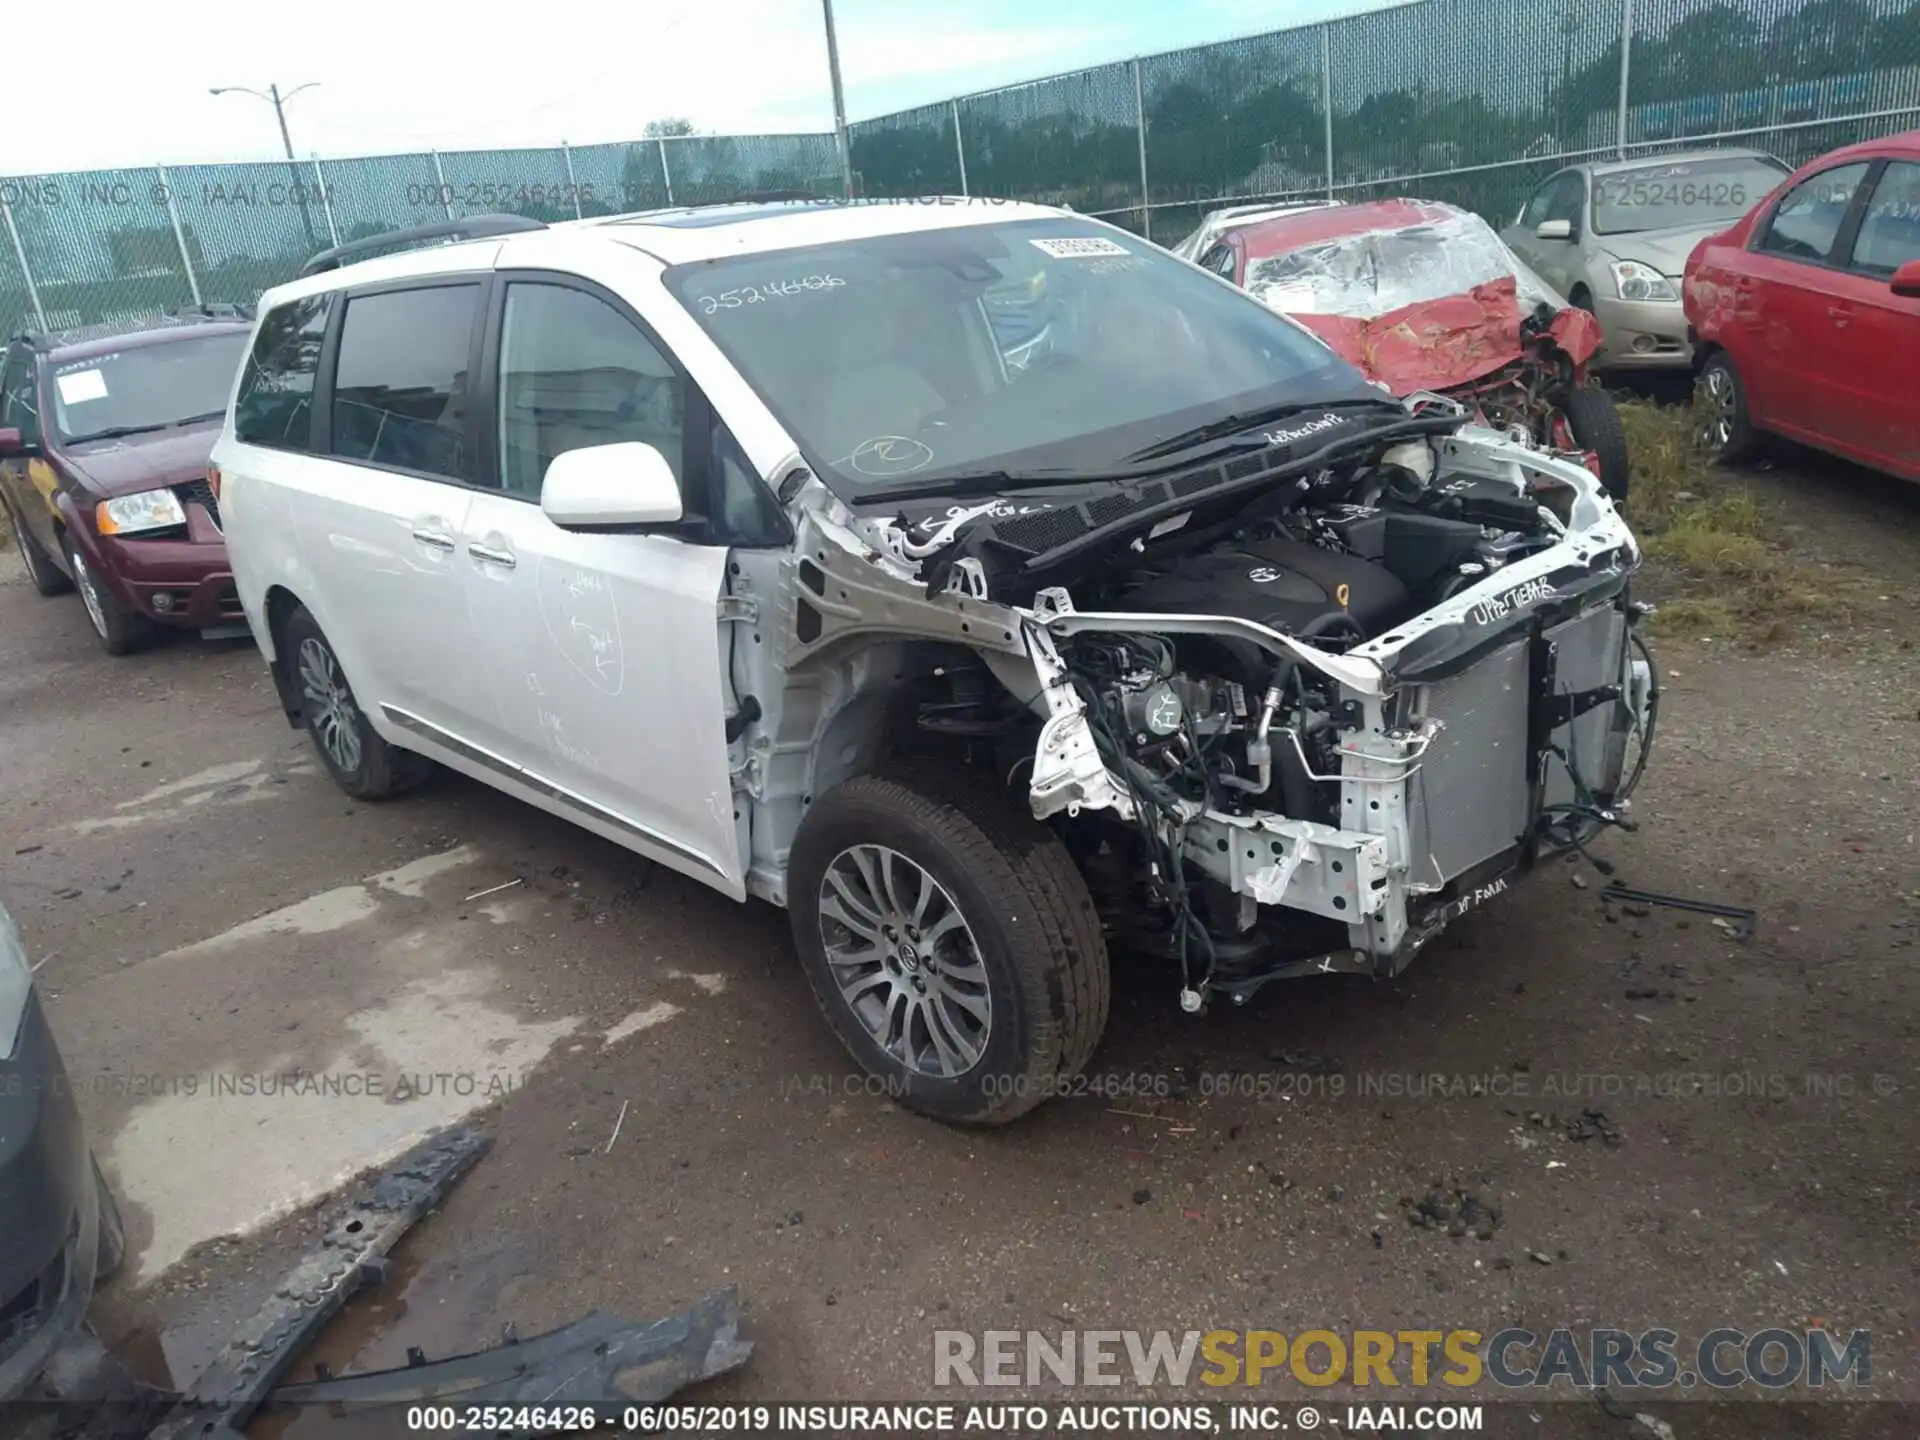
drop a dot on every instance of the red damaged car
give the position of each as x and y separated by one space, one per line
105 437
1422 296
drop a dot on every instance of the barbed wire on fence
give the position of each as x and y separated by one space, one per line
1469 101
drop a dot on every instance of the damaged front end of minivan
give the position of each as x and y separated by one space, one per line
1288 715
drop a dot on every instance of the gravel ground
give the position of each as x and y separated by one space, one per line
210 908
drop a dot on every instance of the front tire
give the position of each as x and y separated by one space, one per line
118 631
1594 421
950 942
360 762
1722 425
46 576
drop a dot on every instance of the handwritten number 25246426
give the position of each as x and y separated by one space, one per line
771 290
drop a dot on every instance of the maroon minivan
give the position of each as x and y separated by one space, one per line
104 441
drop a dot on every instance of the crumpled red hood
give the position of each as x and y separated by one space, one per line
1438 344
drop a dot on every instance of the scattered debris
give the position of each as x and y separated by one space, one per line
618 1121
1141 1197
352 1253
1741 922
1458 1211
1539 1257
1778 1266
495 889
1311 1064
1589 1123
595 1360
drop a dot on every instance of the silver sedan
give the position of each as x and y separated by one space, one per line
1614 236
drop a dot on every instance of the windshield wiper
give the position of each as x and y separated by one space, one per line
116 432
1246 419
978 482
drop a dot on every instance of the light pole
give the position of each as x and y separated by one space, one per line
839 103
274 98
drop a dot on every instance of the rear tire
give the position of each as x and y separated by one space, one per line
1722 426
46 576
1595 422
360 762
118 631
955 950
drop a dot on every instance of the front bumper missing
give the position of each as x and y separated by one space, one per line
1439 813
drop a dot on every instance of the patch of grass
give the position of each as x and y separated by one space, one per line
1721 560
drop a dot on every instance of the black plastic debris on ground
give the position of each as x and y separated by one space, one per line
601 1362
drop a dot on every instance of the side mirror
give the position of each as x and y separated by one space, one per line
13 444
1554 230
605 487
1906 283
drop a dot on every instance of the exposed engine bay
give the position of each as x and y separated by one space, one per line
1295 723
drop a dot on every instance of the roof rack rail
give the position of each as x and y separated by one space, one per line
446 232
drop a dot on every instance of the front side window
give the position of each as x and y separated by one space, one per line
275 402
1039 344
1807 221
1558 199
18 409
1890 230
400 387
575 372
1682 194
156 385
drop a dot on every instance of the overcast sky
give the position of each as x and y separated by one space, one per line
395 77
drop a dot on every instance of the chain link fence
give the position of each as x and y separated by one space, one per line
106 245
1469 101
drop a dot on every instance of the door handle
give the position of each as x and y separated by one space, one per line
434 538
1839 314
503 558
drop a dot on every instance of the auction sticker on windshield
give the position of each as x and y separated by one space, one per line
80 386
1078 247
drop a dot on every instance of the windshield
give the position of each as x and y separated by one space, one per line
1372 274
1684 195
1054 344
147 387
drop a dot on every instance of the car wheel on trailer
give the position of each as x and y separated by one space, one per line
46 576
118 631
950 942
1594 421
360 762
1721 424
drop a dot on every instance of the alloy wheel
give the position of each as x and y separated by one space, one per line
330 708
1716 403
905 961
89 589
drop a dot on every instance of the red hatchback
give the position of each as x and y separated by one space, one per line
1806 314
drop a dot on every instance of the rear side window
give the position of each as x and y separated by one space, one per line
400 388
275 402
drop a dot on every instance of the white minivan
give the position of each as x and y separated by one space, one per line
978 581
